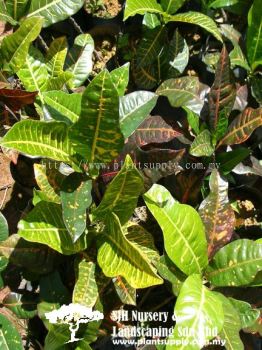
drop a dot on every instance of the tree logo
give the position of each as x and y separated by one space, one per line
73 315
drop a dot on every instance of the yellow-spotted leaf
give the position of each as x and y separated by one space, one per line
118 256
183 230
43 183
56 55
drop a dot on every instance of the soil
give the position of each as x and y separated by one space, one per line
104 8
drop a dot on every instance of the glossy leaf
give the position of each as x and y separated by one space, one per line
4 15
79 59
242 127
154 130
247 314
54 11
202 145
236 264
232 325
133 110
126 293
44 224
222 95
183 92
151 20
237 58
16 9
178 53
254 35
229 160
217 214
122 194
15 47
38 138
76 198
56 55
135 7
63 106
97 133
4 232
34 257
199 19
171 6
182 228
9 337
57 83
119 256
196 308
120 78
85 290
23 306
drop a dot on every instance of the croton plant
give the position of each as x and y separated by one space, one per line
143 136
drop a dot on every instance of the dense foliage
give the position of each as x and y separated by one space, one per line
142 122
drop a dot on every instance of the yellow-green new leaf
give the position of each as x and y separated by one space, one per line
54 11
15 47
122 194
37 138
56 55
85 290
118 256
197 310
44 184
198 19
184 234
44 224
140 7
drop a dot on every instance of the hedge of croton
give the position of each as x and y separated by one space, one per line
141 122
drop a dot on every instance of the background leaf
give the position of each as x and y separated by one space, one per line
254 35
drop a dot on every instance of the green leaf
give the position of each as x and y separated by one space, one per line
43 139
151 20
15 47
229 160
97 133
4 232
202 145
63 106
4 15
242 127
16 9
44 184
56 55
182 228
85 290
44 224
247 314
232 325
122 193
236 264
171 6
34 257
183 92
120 78
177 53
254 35
33 73
57 83
125 292
134 108
197 309
119 256
193 120
54 11
9 337
217 214
76 198
52 289
23 306
140 7
237 58
199 19
222 96
79 59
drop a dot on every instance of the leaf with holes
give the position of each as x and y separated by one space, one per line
202 145
119 256
183 92
85 290
54 11
122 194
197 308
76 198
182 228
44 224
217 214
236 264
56 55
15 47
242 127
134 108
